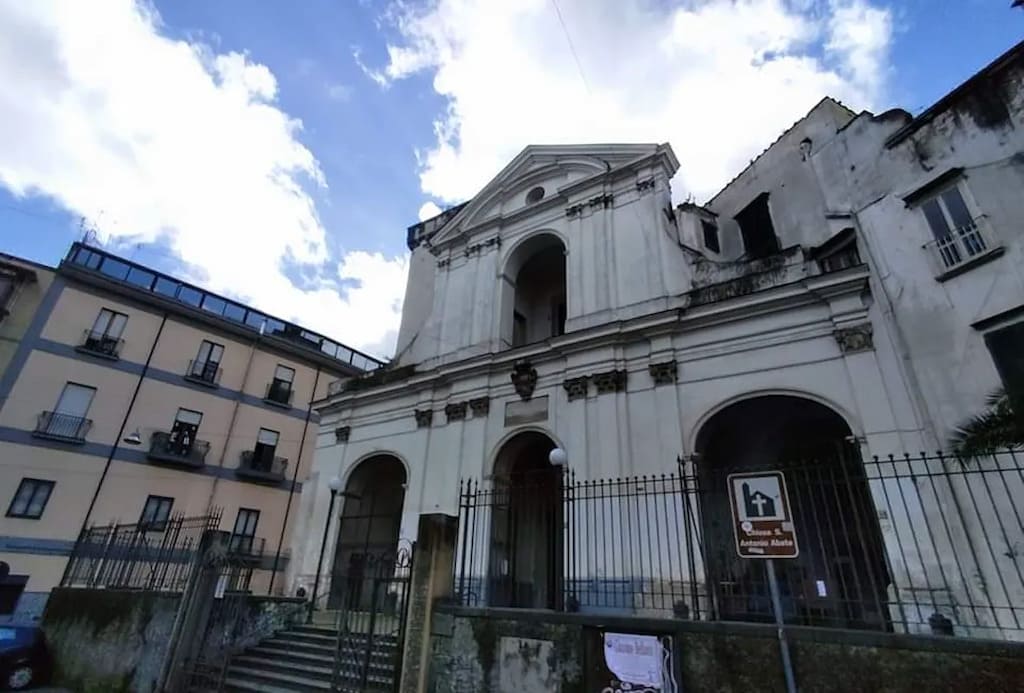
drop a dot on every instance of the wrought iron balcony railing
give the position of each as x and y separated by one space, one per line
963 245
164 447
100 344
246 547
203 372
255 468
63 427
279 392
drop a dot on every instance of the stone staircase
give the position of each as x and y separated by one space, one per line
301 658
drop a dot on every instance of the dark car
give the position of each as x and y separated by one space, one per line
24 659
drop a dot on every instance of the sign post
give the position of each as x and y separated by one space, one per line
763 528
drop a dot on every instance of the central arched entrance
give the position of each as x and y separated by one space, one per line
525 563
840 577
369 527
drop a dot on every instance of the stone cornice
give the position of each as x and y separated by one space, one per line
795 295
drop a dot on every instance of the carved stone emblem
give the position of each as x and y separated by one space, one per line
611 381
524 379
856 338
480 406
663 373
576 388
423 417
456 411
341 434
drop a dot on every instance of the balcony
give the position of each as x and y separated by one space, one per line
279 394
265 470
102 345
163 447
206 373
62 427
965 247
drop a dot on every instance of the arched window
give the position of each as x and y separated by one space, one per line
536 272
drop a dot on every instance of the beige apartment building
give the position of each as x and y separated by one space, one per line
130 396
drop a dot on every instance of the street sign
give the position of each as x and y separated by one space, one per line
762 519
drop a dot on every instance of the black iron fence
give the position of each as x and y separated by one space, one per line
925 543
158 556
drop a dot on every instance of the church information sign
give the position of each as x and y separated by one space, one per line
762 518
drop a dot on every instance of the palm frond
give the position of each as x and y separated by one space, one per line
996 427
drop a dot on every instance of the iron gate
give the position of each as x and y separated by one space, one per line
372 602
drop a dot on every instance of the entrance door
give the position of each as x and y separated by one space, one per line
525 565
840 578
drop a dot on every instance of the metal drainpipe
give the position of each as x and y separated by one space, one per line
291 490
120 431
231 424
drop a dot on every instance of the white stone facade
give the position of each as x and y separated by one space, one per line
887 343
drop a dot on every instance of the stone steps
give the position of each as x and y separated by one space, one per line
302 658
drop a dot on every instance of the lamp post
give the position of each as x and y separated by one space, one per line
334 484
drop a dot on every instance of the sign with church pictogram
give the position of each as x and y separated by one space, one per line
762 518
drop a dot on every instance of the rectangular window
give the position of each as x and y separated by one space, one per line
243 535
67 420
184 432
206 366
957 236
266 446
30 499
105 335
155 513
1006 346
759 239
710 231
75 400
280 389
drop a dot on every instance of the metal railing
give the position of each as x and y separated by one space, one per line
961 245
204 372
924 543
157 556
101 344
63 427
263 469
279 392
166 447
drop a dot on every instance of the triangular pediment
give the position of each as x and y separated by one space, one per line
548 167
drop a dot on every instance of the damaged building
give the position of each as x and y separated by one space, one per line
571 339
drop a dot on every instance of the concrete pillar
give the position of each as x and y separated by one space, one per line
432 576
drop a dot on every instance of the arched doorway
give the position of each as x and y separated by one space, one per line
525 563
840 577
537 310
369 526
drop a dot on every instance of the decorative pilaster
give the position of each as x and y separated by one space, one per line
423 417
480 406
456 411
610 381
854 339
663 373
577 388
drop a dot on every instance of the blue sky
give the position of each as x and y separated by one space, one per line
173 126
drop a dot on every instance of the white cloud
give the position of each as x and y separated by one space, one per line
719 79
429 210
153 138
339 92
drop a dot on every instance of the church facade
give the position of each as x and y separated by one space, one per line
857 291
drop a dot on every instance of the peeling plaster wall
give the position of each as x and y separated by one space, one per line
496 651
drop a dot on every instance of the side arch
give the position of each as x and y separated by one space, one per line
701 422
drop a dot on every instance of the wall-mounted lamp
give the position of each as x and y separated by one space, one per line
557 457
133 438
